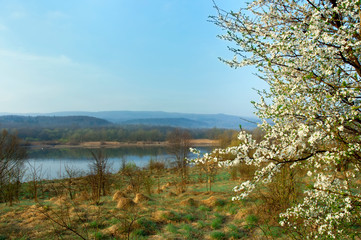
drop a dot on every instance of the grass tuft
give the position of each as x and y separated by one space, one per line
172 228
218 235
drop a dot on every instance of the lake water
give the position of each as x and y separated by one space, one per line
52 162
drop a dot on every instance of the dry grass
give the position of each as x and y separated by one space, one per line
189 202
124 203
169 216
117 195
210 202
139 197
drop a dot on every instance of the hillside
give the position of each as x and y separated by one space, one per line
149 118
12 121
158 118
172 122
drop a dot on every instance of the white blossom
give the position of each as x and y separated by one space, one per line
309 52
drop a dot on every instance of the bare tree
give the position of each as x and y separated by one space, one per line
178 145
69 180
35 176
12 156
99 174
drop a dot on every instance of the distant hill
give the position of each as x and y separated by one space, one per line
12 121
158 118
171 122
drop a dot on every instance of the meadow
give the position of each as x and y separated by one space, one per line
153 202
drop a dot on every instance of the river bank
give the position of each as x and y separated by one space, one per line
113 144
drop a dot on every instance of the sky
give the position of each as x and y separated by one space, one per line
108 55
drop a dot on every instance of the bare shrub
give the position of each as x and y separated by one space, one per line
70 184
67 216
137 179
245 171
279 194
156 165
35 177
180 185
178 146
228 138
128 221
12 156
133 177
99 177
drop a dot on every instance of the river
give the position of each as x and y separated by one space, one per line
51 163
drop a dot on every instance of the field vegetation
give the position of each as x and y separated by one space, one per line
155 202
161 201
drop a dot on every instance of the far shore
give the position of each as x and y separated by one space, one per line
106 144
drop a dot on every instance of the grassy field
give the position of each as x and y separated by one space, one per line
144 204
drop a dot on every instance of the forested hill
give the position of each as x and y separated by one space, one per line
172 122
147 118
159 118
77 129
12 121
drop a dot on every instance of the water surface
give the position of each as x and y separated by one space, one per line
52 162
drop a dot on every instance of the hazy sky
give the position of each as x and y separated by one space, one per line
100 55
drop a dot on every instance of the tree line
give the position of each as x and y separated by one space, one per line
131 133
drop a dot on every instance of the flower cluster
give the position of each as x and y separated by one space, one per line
309 52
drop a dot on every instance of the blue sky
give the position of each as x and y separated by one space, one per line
101 55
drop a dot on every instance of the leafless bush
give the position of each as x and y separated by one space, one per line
137 179
12 156
128 219
10 188
209 169
99 176
156 165
280 194
180 185
65 216
245 171
70 183
35 177
178 146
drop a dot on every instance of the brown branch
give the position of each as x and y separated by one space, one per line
60 223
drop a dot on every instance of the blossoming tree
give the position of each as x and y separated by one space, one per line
309 52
